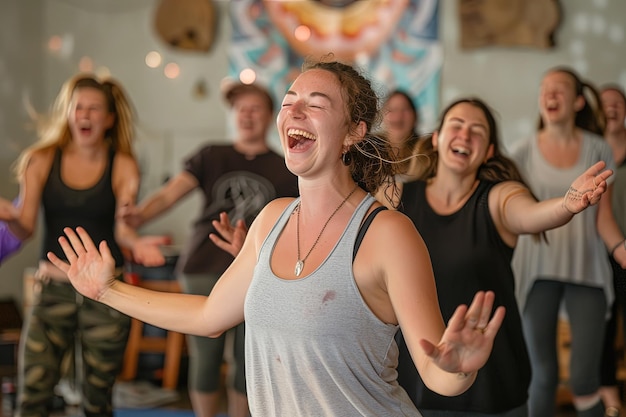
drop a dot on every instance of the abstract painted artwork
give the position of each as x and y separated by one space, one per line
395 42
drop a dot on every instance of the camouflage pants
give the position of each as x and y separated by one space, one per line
59 320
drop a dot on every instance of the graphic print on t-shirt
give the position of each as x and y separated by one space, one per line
241 194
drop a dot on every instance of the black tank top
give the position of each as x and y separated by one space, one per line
468 255
92 208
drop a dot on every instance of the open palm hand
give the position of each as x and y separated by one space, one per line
91 271
231 237
587 189
467 341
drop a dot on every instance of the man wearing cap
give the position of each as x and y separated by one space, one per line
238 179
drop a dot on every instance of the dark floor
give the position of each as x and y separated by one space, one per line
565 410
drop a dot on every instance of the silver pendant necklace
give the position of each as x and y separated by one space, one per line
300 262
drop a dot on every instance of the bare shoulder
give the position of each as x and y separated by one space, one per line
393 221
396 230
41 156
392 267
40 162
268 217
272 210
124 161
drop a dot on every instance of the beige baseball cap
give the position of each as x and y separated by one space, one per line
233 89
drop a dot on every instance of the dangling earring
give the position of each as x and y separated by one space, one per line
346 158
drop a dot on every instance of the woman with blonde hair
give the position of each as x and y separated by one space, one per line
80 172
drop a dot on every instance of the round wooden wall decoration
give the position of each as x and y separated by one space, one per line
529 23
186 24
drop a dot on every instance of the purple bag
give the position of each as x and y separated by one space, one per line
9 244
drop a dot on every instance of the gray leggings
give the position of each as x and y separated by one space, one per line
206 354
586 309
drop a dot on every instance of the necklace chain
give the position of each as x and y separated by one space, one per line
300 262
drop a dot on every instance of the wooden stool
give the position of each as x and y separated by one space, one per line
172 345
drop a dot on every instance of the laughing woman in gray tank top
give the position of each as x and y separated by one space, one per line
320 315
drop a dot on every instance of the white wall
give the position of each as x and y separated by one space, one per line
591 39
117 34
21 69
172 121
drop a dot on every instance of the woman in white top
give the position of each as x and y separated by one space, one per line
570 266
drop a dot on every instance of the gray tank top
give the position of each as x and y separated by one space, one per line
313 347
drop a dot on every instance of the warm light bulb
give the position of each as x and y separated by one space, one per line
153 59
172 70
85 64
247 76
55 43
302 33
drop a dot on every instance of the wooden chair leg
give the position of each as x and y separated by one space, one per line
173 353
171 345
133 347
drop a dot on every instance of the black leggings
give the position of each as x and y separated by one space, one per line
608 367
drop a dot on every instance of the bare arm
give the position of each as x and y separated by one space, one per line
31 188
160 201
125 178
517 212
609 230
446 357
145 249
91 271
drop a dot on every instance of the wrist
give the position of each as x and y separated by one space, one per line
617 246
574 196
564 206
102 294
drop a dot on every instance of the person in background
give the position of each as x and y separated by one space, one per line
9 244
322 298
399 124
80 172
236 181
569 268
400 120
614 106
472 202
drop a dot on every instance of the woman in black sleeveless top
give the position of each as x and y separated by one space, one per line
469 206
80 172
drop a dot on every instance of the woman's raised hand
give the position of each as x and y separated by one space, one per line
467 341
91 271
587 189
229 237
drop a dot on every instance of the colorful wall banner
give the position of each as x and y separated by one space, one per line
394 42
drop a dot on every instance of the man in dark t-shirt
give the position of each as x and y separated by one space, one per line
238 179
